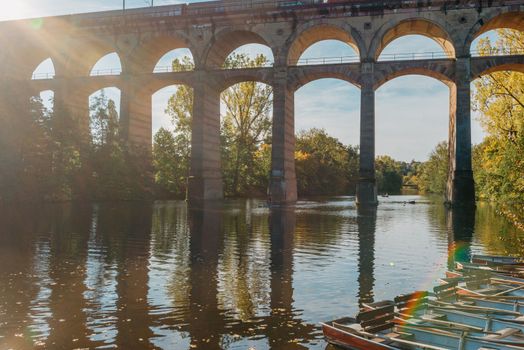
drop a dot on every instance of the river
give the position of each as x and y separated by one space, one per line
234 275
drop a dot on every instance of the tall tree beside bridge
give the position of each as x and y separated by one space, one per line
245 133
499 99
246 126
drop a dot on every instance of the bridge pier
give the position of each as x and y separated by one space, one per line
136 116
460 187
205 178
367 187
283 181
71 105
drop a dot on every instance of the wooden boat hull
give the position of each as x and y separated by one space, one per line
454 341
499 260
508 306
351 341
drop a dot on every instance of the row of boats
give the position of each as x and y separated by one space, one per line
477 306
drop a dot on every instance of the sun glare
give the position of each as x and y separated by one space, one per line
16 10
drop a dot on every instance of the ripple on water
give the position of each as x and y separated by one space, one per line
231 276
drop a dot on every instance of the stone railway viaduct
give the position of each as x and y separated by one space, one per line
211 31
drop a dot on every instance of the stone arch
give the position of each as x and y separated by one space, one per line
157 83
47 74
147 54
440 74
314 32
84 55
301 77
107 71
494 19
492 67
412 26
227 41
23 62
234 77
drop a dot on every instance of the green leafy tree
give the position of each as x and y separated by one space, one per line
433 174
170 173
172 150
324 166
245 132
117 171
389 175
246 125
499 99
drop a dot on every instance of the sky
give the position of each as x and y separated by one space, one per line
412 112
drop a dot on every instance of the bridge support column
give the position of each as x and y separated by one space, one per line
205 180
283 181
460 187
72 106
367 188
136 117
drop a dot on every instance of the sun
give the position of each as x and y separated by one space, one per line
15 10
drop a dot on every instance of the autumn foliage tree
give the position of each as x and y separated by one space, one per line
499 99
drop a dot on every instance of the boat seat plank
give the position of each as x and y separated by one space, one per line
380 328
503 333
369 315
377 321
411 296
445 286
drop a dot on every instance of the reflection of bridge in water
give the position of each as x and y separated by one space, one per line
213 30
97 280
138 276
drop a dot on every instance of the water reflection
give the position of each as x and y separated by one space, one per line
226 276
461 226
367 222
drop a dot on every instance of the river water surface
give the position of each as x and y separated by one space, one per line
235 275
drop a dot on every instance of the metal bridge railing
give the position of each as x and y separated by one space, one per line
43 76
109 71
413 56
511 51
327 60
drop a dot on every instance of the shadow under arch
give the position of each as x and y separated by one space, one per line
227 41
494 19
315 32
412 26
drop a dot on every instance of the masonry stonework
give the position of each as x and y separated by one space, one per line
211 31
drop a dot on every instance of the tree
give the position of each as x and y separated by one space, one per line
324 166
433 174
389 175
499 99
246 125
104 120
117 170
170 173
245 129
